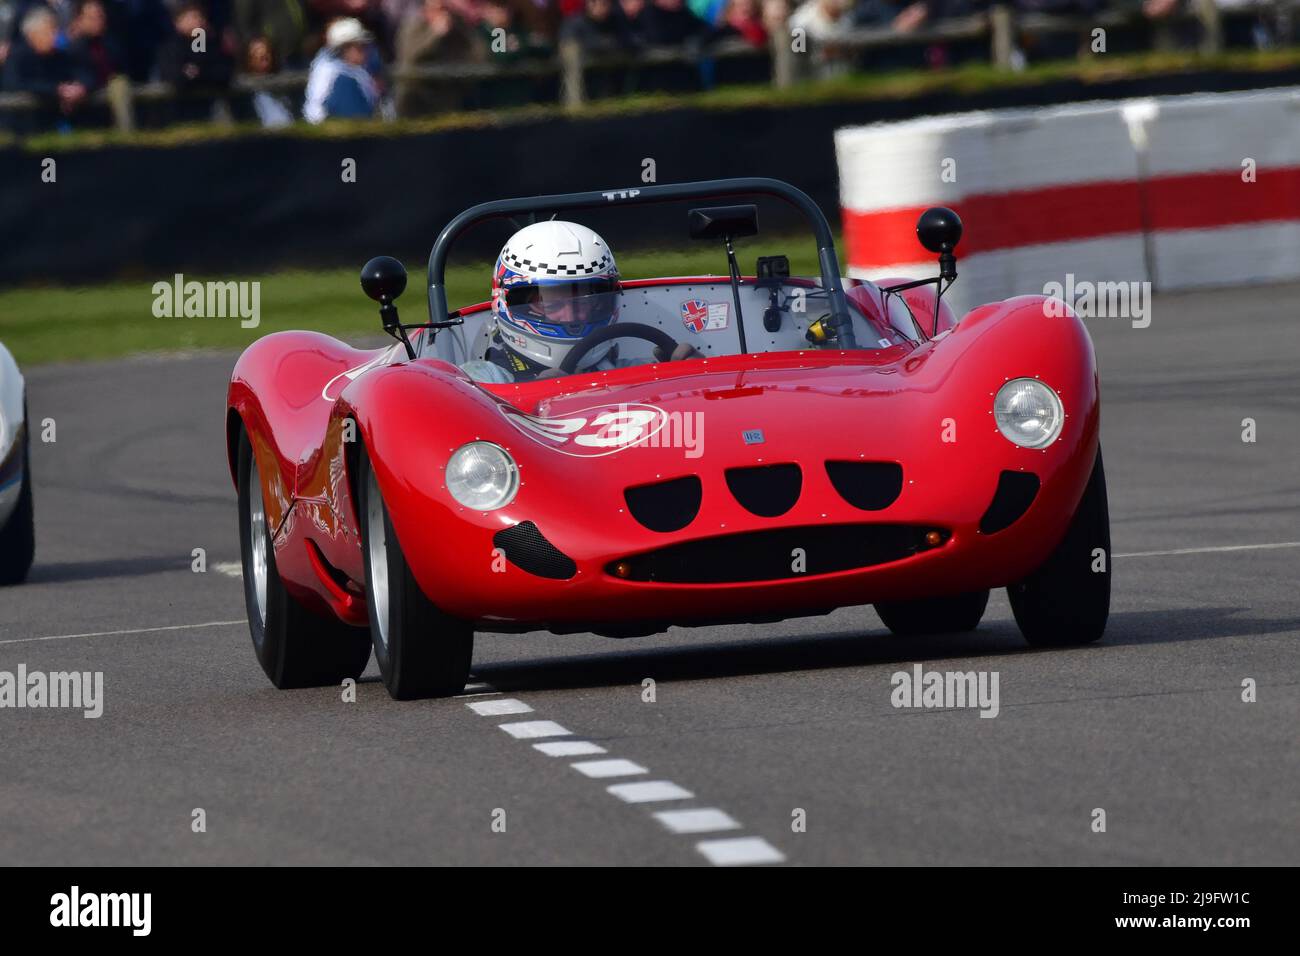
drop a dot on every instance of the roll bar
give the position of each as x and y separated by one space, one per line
669 192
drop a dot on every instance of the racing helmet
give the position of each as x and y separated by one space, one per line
555 283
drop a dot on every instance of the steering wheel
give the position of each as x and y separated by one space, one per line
619 330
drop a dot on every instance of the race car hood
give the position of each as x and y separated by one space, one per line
729 412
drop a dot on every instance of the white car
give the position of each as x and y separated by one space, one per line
17 526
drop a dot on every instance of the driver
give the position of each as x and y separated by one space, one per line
554 284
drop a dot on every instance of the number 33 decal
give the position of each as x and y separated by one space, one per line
592 432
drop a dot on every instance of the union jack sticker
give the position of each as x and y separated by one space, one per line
701 316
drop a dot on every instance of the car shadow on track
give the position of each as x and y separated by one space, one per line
854 649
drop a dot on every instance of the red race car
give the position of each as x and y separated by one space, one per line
585 452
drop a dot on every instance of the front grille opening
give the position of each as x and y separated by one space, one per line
666 505
1016 492
527 548
766 490
779 554
867 485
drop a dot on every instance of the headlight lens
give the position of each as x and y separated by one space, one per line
1028 413
482 476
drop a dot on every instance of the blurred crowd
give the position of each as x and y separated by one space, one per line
362 56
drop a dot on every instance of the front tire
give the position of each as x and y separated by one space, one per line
1065 602
948 615
295 647
18 535
422 651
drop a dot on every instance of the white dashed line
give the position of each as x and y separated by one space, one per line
734 851
500 708
739 851
649 791
608 768
231 569
706 820
137 630
528 729
1231 547
569 748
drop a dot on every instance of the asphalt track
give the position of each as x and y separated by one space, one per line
755 722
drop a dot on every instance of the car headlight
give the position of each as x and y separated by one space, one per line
482 476
1028 413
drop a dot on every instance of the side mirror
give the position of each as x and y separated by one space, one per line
383 278
939 230
723 222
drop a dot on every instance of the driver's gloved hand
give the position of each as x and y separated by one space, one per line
684 350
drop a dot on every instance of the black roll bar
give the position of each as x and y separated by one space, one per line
669 192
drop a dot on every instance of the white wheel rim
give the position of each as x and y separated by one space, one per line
257 538
377 543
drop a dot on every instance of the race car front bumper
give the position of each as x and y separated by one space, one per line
617 576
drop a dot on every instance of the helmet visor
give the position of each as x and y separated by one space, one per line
573 308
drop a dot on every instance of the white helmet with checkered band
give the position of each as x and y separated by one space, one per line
554 283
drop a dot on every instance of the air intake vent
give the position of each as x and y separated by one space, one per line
778 554
1016 492
526 548
666 505
768 490
868 485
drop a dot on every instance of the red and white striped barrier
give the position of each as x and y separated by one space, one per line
1141 190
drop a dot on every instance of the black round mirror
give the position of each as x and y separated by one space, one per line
383 278
939 229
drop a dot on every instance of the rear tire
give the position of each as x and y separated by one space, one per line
948 615
1065 602
295 647
18 535
422 651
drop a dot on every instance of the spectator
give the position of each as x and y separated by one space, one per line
469 11
142 27
65 11
339 85
36 65
192 61
540 19
776 16
281 25
434 34
8 17
502 34
822 20
744 19
670 23
506 41
368 12
90 43
273 110
821 23
598 29
636 21
709 11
